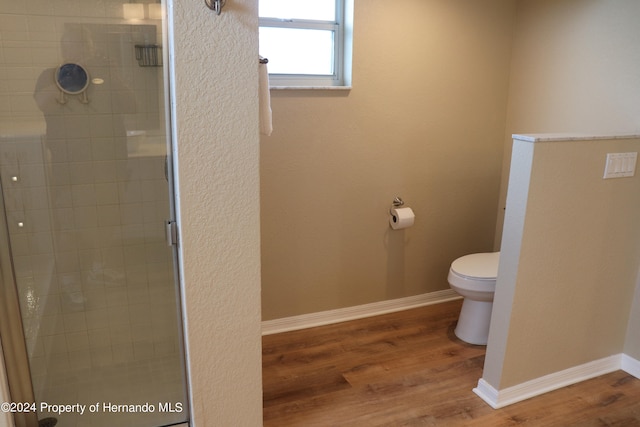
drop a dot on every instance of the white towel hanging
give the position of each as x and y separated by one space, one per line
264 99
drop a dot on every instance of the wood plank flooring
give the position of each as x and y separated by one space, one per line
409 369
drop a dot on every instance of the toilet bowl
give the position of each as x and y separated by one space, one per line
474 278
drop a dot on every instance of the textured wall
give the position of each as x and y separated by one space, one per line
424 121
216 77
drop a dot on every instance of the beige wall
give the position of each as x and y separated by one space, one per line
574 69
570 261
225 310
424 121
216 116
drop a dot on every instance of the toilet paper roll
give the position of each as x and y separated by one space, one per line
401 218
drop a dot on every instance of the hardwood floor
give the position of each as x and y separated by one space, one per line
409 369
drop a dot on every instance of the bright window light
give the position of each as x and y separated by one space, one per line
297 51
319 10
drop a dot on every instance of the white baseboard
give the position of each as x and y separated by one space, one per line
356 312
510 395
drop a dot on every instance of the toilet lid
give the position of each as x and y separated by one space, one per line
480 266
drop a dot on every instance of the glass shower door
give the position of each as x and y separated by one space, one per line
86 194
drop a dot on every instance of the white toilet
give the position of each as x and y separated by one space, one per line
474 277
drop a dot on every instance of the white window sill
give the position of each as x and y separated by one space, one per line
310 87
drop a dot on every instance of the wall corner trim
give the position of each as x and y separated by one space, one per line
510 395
329 317
630 365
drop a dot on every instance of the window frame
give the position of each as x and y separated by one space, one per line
338 78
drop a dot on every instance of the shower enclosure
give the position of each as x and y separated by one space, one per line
89 309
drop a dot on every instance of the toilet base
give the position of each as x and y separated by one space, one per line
473 324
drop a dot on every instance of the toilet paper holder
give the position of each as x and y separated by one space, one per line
397 202
400 217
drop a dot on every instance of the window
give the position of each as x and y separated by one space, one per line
304 41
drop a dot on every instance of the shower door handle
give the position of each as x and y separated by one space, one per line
171 232
166 167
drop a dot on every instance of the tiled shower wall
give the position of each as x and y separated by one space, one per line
38 35
85 191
